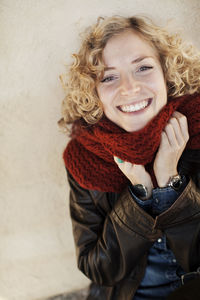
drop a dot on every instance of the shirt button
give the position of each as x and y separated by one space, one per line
156 200
159 240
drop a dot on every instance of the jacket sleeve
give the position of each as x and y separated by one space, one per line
110 241
112 237
181 222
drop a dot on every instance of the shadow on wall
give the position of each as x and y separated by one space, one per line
77 295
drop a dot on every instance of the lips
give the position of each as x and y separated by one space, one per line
135 107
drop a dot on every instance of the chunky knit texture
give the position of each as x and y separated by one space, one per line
89 154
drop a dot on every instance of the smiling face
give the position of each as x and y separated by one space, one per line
133 89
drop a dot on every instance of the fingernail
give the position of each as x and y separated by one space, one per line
119 160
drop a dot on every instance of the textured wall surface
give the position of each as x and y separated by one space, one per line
37 256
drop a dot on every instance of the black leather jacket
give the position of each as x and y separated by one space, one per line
113 234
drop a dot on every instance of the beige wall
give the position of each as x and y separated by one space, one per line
37 36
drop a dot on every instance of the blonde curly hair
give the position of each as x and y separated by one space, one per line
180 63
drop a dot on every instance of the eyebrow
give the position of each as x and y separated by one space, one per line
137 60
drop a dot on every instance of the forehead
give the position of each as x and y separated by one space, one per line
127 45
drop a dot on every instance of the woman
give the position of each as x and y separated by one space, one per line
133 165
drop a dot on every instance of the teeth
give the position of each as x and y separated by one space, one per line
134 107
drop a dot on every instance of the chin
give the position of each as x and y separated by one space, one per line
133 128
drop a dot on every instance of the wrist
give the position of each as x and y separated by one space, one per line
164 180
175 182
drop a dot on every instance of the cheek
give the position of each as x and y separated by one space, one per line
101 93
104 100
157 84
106 95
98 89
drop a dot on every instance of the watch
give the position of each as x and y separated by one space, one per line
139 190
175 182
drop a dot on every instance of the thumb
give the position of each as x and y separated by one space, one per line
118 160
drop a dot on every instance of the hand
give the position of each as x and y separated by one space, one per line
136 174
173 141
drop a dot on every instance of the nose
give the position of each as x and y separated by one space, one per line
129 86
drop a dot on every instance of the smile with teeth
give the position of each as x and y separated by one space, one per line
134 107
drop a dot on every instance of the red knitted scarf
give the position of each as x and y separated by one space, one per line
89 155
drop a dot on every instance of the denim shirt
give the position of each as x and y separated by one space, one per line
160 278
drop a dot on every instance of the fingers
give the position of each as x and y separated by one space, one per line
182 120
172 133
118 160
177 130
164 143
124 166
135 173
172 144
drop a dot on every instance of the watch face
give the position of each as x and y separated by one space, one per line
140 190
175 182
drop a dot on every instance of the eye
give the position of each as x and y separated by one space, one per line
108 78
144 68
